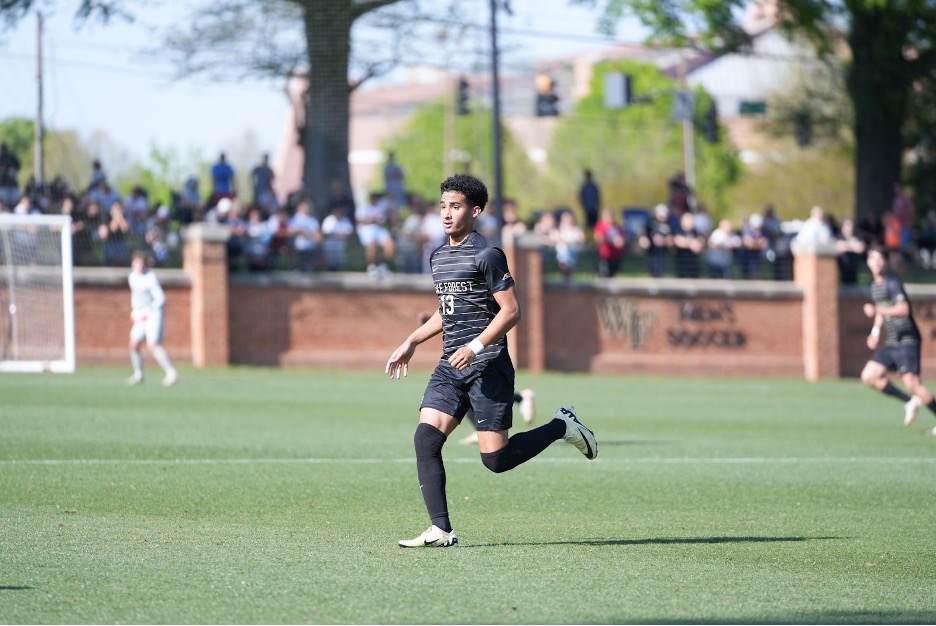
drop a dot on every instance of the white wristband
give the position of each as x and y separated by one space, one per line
875 331
476 346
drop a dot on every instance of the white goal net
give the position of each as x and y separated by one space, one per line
37 305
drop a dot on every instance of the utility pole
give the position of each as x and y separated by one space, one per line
38 162
495 91
688 137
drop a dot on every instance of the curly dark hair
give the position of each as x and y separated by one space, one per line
472 188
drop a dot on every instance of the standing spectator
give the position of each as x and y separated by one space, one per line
903 209
105 195
373 231
722 244
306 236
815 229
545 227
688 244
137 210
189 208
261 177
513 227
569 240
702 221
98 175
86 233
157 234
656 241
394 184
257 239
871 229
927 242
114 234
222 180
611 239
411 237
590 199
754 244
147 301
850 252
9 176
336 228
680 194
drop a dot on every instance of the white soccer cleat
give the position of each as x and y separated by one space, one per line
577 433
170 379
135 380
467 440
911 408
528 405
434 537
931 431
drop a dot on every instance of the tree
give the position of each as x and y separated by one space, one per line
307 39
892 46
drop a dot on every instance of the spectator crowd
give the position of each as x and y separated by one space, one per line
395 230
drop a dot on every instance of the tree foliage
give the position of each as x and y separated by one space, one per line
432 129
892 49
634 151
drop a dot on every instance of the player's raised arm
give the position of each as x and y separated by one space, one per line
398 363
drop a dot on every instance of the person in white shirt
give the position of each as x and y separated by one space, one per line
307 236
373 230
147 300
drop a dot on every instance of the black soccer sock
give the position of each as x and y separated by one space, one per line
428 441
523 446
517 398
891 390
932 405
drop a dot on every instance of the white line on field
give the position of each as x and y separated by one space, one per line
352 461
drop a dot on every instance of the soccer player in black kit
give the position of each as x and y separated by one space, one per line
475 376
901 350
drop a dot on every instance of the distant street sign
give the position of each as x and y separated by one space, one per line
682 106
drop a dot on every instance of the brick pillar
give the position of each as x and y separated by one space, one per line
527 342
205 262
815 270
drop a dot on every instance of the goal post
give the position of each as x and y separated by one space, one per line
37 300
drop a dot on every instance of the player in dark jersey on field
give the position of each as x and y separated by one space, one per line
475 376
901 350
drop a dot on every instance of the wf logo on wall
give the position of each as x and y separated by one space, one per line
620 317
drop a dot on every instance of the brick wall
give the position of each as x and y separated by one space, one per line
620 326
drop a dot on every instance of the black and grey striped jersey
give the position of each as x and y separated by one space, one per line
466 278
900 330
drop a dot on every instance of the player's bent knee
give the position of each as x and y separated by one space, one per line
498 462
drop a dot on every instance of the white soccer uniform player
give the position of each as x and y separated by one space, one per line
147 300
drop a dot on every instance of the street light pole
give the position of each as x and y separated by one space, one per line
498 199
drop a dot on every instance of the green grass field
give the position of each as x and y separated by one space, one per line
266 496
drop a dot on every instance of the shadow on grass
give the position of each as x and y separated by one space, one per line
15 588
656 540
815 617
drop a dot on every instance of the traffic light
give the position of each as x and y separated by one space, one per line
711 124
547 102
803 129
461 97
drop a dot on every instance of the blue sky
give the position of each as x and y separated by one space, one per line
97 80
